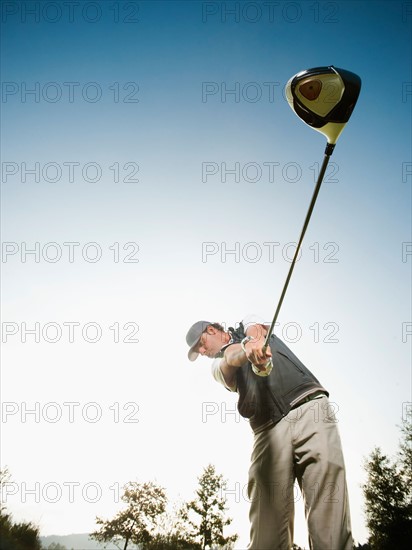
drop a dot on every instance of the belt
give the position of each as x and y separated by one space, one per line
311 397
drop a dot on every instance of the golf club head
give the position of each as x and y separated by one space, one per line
324 98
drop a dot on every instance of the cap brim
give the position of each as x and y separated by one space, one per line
193 338
192 354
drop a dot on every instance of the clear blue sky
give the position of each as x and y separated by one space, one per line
155 137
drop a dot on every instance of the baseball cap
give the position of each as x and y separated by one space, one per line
193 337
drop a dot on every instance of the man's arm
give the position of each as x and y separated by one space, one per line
234 356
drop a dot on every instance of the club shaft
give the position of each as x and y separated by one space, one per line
305 226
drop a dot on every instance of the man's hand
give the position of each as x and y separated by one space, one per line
236 355
256 353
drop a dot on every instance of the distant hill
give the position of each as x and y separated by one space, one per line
79 542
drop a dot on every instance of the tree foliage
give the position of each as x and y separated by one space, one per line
145 502
172 532
16 536
145 521
388 496
210 506
171 541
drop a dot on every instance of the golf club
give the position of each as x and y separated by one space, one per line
324 98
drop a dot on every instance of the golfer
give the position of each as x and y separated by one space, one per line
295 435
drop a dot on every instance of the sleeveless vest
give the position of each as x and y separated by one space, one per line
265 400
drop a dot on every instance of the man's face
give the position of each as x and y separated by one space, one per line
211 342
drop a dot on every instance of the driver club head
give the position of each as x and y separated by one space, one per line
324 98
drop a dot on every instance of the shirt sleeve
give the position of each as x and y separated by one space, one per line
253 319
218 376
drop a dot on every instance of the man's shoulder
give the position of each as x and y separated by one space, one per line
253 319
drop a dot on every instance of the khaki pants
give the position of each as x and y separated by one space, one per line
304 446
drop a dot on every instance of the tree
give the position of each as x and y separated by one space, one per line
171 541
145 501
172 532
388 496
16 536
211 507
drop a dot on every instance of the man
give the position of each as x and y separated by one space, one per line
295 435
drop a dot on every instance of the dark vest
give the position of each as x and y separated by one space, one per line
265 400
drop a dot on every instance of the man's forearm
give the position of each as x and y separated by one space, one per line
235 356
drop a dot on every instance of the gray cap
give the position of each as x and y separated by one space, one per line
193 337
